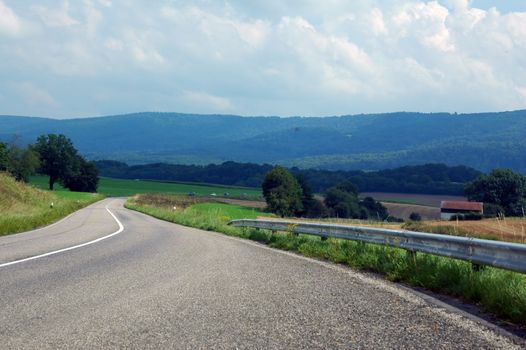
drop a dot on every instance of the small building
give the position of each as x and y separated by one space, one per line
450 208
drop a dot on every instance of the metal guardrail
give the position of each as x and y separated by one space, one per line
510 256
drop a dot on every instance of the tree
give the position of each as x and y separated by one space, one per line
3 156
19 162
282 192
348 186
341 203
22 162
502 187
58 157
312 208
83 178
374 208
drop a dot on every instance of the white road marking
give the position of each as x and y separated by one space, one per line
121 228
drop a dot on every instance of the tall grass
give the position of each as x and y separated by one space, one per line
24 207
497 291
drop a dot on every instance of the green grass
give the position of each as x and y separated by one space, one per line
229 211
500 292
25 207
122 188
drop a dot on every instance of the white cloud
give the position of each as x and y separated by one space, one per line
206 101
10 23
427 23
257 57
377 21
106 3
34 95
55 17
93 17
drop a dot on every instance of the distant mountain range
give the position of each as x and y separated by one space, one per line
367 142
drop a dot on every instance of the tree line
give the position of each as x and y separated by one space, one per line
53 155
428 178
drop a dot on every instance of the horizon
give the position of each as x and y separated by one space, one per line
105 57
259 116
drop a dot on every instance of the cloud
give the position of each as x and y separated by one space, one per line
55 17
377 21
206 101
264 57
10 23
34 95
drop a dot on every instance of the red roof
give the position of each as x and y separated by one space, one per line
462 205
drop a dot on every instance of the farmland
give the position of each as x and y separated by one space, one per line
401 205
121 188
505 229
430 200
398 204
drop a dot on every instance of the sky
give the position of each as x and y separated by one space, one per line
82 58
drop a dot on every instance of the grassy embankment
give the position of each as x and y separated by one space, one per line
25 207
500 292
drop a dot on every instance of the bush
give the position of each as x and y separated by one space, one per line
393 219
415 217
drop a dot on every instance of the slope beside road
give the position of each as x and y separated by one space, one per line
160 285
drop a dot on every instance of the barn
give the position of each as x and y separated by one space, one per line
450 208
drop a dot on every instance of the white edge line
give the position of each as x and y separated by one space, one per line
121 228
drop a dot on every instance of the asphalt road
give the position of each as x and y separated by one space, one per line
163 286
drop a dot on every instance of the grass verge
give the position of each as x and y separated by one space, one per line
499 292
24 207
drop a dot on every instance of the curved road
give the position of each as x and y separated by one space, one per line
164 286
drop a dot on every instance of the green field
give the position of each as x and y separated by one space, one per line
229 211
122 188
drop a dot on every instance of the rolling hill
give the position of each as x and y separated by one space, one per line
377 141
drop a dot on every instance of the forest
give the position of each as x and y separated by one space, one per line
483 141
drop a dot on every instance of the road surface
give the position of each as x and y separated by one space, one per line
163 286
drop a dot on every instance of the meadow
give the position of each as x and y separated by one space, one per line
122 188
